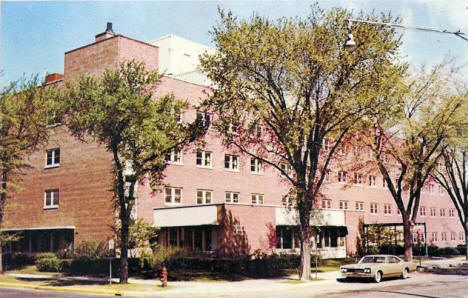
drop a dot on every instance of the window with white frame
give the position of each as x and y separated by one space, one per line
173 195
53 158
287 201
328 176
342 176
358 178
387 209
372 180
326 204
452 212
286 168
422 210
433 211
257 199
359 206
442 212
204 196
434 237
326 144
174 157
431 188
461 235
441 189
256 166
204 119
373 208
204 159
232 197
231 162
344 205
444 236
51 199
453 236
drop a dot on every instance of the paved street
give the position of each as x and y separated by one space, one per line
27 293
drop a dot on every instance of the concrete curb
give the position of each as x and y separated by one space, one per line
60 289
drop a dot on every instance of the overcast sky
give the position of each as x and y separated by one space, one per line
35 35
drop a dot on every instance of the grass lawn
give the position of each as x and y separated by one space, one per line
32 269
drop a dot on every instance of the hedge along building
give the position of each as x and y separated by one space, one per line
214 199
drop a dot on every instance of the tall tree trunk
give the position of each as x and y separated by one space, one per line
466 237
124 253
1 259
408 239
305 251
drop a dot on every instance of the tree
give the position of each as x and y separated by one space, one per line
118 110
407 139
452 171
283 87
24 110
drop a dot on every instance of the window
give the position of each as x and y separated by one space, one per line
461 236
326 204
452 212
257 199
372 180
387 209
326 144
357 178
360 206
415 237
327 176
257 131
256 166
441 189
53 158
342 177
422 211
286 168
373 208
434 237
204 119
231 162
442 212
204 159
398 212
51 199
204 196
433 211
287 201
232 197
444 236
431 188
174 157
344 205
384 182
453 236
173 195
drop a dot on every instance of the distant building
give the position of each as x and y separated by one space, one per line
215 199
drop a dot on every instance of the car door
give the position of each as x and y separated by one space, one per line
394 265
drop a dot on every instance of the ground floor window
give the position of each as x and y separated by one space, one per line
188 238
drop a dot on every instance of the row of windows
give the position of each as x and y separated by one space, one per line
453 236
174 195
387 208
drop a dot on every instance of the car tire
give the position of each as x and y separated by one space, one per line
378 277
405 273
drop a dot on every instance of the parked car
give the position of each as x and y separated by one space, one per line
378 267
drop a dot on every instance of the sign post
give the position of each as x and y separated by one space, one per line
111 248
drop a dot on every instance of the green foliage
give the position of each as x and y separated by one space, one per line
166 256
293 78
142 234
91 250
48 262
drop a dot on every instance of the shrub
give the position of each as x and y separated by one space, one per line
49 264
167 256
91 250
19 260
45 255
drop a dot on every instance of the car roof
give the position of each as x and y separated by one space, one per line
380 256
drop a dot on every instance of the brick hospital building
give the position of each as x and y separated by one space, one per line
210 193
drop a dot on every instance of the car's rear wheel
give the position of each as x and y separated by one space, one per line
378 277
405 273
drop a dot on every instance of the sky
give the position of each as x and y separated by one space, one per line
35 35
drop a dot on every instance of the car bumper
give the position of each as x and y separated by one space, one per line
356 274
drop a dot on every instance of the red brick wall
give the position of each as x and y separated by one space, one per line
83 179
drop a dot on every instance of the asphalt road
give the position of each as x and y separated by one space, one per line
27 293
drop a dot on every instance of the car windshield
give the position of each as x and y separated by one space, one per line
373 259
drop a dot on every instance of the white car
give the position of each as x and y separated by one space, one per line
378 267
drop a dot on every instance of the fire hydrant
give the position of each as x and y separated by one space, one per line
164 276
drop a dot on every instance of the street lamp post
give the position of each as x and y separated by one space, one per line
350 44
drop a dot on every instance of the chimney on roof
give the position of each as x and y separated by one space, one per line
106 34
